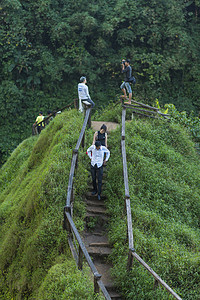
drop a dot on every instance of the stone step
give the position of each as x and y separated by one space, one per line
104 269
100 244
92 239
96 210
93 215
99 251
115 296
94 202
89 196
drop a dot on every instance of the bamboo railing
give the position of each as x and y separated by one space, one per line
132 252
79 252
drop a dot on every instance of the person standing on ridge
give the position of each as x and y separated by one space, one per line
38 121
101 136
96 154
127 70
83 93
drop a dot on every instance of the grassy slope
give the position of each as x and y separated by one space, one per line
164 187
35 260
164 181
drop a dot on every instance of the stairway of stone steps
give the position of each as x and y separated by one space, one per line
96 241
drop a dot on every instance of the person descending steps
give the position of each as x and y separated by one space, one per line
96 154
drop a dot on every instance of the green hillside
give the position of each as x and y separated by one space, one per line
164 179
35 259
164 182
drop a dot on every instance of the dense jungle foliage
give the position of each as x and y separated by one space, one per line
46 45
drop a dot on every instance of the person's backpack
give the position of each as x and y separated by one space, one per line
132 80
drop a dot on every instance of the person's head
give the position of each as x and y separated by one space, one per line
83 79
127 62
40 113
103 128
97 145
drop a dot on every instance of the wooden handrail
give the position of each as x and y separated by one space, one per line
71 178
74 158
132 253
145 105
139 109
157 278
87 115
97 276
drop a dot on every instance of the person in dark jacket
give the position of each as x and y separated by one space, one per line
101 136
127 70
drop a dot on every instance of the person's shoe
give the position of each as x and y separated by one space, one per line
99 197
94 193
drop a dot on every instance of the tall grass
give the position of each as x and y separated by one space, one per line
164 182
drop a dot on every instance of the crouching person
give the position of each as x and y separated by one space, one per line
96 154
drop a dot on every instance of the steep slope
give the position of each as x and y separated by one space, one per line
164 172
164 181
35 260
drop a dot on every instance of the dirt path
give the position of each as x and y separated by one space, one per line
96 241
95 233
96 125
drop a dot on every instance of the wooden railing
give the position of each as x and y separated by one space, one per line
132 252
144 110
76 244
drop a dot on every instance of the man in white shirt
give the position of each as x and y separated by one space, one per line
96 154
83 93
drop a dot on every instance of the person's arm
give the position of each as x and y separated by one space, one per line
94 138
123 67
89 151
107 152
36 121
106 144
87 91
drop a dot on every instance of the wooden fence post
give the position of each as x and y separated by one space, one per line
80 258
76 103
66 224
89 121
97 277
130 259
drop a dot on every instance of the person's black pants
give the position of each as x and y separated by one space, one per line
97 172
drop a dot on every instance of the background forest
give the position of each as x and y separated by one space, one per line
46 45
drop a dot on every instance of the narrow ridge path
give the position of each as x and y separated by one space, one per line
95 233
96 241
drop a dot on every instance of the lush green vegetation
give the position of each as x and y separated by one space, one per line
35 259
164 182
164 173
47 44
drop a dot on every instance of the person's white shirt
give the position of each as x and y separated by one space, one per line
97 156
83 93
